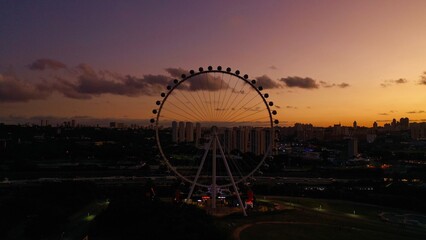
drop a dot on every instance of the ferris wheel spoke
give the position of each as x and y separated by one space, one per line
179 114
241 106
257 119
204 99
202 103
249 109
221 107
201 108
239 101
210 97
230 96
188 109
217 108
190 103
214 97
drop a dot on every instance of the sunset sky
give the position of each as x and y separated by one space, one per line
322 62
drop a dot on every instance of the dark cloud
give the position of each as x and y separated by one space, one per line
13 89
343 85
42 64
84 82
273 67
91 83
291 107
423 79
388 83
401 80
328 85
207 82
382 120
414 112
267 83
383 114
176 72
307 83
69 89
81 82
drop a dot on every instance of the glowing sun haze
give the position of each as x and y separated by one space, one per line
322 62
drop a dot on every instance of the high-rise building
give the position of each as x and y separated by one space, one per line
394 123
175 132
355 125
405 123
418 131
197 133
227 140
189 132
258 141
181 132
352 147
243 139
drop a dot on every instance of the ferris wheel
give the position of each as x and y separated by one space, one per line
214 129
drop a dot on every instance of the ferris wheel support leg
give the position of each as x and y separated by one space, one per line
230 176
214 172
199 169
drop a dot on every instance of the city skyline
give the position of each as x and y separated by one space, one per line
322 63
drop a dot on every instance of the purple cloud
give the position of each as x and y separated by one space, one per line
43 64
13 89
307 83
267 83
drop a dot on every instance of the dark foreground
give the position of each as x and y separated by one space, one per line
70 210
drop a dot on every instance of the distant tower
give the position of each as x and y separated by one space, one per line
73 123
174 132
352 147
181 131
355 125
197 133
394 123
243 139
189 132
227 140
258 141
405 123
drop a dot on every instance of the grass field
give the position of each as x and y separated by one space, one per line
305 218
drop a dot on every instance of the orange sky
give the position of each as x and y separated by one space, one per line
376 48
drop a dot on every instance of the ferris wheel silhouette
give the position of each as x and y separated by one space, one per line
218 115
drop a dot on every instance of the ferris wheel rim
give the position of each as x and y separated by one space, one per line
193 74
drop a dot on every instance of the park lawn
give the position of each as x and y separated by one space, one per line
302 218
272 231
352 209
